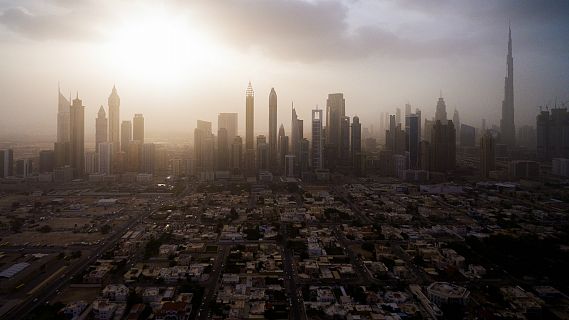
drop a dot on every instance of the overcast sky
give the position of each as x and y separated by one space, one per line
179 61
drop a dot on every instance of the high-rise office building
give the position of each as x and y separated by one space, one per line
222 162
262 153
62 144
395 138
304 155
149 157
63 118
133 156
467 135
527 137
236 155
441 111
114 103
487 155
91 162
228 121
126 135
552 130
456 122
419 120
283 147
77 137
289 165
249 129
203 147
316 152
413 140
105 158
345 141
335 113
356 145
295 133
101 128
138 127
273 142
443 147
507 125
6 163
47 161
24 168
398 116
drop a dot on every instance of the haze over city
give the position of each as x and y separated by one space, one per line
181 61
284 159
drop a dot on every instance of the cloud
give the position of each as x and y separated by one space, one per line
309 31
66 20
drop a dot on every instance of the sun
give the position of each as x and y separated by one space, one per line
158 46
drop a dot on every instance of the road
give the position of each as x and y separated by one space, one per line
22 310
213 283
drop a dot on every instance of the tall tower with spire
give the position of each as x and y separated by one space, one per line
114 119
441 111
249 129
507 126
101 128
273 128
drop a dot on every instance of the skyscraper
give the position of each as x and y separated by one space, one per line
413 139
222 149
273 143
345 140
356 145
101 127
77 137
6 163
552 132
295 133
114 103
133 156
138 127
456 122
228 121
283 147
149 157
47 161
203 147
467 135
61 146
335 112
236 155
126 135
316 153
441 111
443 147
507 126
63 120
249 129
262 153
486 154
105 157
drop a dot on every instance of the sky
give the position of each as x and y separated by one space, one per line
179 61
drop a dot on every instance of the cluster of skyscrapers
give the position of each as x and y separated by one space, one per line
334 145
119 147
415 148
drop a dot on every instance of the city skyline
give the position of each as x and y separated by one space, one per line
379 87
284 159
